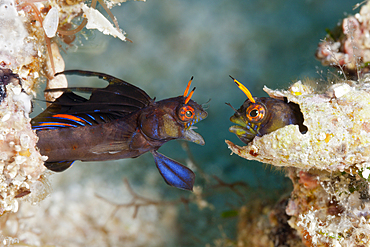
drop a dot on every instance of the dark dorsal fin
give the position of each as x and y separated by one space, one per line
116 100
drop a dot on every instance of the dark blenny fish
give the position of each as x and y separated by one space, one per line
260 116
116 122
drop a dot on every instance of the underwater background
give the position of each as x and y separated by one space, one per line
259 43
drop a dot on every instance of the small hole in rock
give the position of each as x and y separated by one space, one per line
299 116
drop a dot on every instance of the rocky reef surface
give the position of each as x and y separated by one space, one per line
329 164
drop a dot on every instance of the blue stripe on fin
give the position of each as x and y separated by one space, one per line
174 173
91 117
44 128
84 119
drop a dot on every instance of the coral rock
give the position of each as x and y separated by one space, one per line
21 165
338 136
328 164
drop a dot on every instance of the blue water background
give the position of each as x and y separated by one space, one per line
260 43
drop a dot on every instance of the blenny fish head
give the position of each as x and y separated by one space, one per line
250 119
260 116
177 117
187 115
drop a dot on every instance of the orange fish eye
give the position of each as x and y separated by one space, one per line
186 113
255 113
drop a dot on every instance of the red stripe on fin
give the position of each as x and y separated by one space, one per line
70 117
64 124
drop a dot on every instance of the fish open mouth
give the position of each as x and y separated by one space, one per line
245 130
245 134
190 135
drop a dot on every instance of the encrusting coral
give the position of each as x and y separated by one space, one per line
338 135
30 36
21 165
328 164
347 46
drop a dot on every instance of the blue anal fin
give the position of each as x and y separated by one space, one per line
58 166
174 173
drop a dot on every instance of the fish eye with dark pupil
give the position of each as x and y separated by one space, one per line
188 114
253 113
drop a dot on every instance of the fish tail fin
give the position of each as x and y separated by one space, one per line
174 173
58 166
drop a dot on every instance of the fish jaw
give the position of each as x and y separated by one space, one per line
244 134
192 136
244 129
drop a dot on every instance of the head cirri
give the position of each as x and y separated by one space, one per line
178 115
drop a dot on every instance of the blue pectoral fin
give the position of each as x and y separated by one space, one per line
174 173
58 166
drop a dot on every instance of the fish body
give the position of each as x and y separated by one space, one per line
119 121
116 139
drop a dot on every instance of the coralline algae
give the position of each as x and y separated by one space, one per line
21 165
338 136
328 164
15 46
348 46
